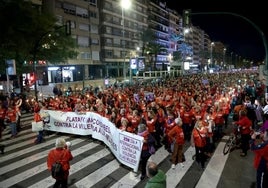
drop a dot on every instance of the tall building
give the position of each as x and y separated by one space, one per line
109 36
84 20
158 22
120 33
175 30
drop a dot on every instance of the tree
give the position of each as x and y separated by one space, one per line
31 34
177 56
184 49
146 36
154 49
204 55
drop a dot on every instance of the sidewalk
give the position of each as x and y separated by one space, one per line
47 90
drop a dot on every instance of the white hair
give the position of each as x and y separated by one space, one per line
60 143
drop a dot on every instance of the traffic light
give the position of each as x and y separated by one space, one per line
186 18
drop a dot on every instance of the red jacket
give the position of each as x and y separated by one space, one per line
151 124
199 139
187 117
245 125
11 115
145 135
177 133
60 154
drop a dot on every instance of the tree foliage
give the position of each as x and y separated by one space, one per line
28 33
154 49
147 36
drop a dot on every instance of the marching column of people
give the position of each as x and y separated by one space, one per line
202 102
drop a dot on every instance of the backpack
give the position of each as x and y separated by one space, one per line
57 171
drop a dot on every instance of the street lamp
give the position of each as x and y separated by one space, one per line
138 51
224 51
231 58
125 4
236 60
211 54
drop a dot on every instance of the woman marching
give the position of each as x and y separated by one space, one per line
198 140
176 134
37 118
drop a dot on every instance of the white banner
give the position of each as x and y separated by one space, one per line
124 145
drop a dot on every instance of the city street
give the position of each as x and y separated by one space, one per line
24 165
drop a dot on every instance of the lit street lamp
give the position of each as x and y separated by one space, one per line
236 60
231 58
211 54
224 52
125 4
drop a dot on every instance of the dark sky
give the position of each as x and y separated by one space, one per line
238 35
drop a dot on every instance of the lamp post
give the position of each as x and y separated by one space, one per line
224 51
138 51
125 4
211 54
231 58
236 60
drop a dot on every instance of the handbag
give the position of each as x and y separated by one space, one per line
37 126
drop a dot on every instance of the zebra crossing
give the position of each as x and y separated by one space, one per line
24 164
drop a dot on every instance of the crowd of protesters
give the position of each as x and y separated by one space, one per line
192 108
201 102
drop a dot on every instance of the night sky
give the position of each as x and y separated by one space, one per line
238 35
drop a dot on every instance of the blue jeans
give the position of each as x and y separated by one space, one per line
39 137
13 128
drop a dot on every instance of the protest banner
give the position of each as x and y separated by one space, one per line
124 145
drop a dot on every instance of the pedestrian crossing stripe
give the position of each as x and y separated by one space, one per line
75 167
24 164
213 170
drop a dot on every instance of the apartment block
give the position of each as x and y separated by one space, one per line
109 37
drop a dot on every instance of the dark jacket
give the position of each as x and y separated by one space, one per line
157 181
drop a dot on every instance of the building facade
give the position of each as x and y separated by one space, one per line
109 36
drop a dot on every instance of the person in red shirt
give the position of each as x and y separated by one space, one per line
60 153
219 123
2 117
245 127
135 120
169 124
261 156
151 122
40 116
18 110
160 123
198 140
2 125
176 134
187 119
11 116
